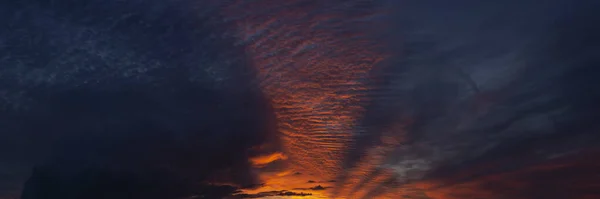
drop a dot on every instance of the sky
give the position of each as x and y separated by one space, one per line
278 99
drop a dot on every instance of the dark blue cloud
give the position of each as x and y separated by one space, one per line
483 82
126 99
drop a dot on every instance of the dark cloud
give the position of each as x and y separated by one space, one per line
571 176
126 99
505 83
273 193
315 188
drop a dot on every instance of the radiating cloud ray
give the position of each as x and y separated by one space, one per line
314 62
462 98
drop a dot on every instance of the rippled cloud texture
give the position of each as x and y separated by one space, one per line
355 99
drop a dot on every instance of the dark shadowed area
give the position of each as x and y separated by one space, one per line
125 99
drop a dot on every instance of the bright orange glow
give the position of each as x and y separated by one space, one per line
261 161
287 181
316 78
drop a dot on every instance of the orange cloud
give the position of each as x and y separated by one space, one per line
263 160
316 78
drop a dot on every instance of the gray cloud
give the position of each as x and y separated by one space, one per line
482 82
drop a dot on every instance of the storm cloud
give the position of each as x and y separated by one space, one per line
126 99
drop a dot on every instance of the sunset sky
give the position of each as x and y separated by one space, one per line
302 99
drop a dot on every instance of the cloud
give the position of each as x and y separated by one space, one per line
567 176
328 181
261 161
119 108
465 103
315 188
155 99
283 193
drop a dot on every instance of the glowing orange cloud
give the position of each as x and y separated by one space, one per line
316 77
261 161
